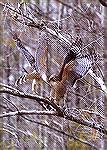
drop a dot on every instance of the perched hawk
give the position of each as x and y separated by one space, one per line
74 67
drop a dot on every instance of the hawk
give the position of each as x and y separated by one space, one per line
74 67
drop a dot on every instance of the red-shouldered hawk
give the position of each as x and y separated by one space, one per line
75 67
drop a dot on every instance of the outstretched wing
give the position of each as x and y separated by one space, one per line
71 55
82 65
25 52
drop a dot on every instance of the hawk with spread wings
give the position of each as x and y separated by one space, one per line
74 67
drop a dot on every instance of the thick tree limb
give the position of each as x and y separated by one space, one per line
39 99
12 91
61 113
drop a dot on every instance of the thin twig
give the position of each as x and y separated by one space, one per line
28 112
60 131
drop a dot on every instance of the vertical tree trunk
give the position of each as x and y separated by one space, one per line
7 95
1 78
105 54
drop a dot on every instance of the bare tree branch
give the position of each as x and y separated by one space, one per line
29 21
28 112
52 128
10 90
60 112
61 132
58 35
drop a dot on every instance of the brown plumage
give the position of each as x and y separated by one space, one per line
58 90
33 76
71 56
59 87
75 66
69 74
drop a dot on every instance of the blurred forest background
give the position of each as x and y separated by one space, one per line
86 19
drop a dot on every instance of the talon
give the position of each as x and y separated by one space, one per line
33 86
17 82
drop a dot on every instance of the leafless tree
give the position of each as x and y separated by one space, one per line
52 80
